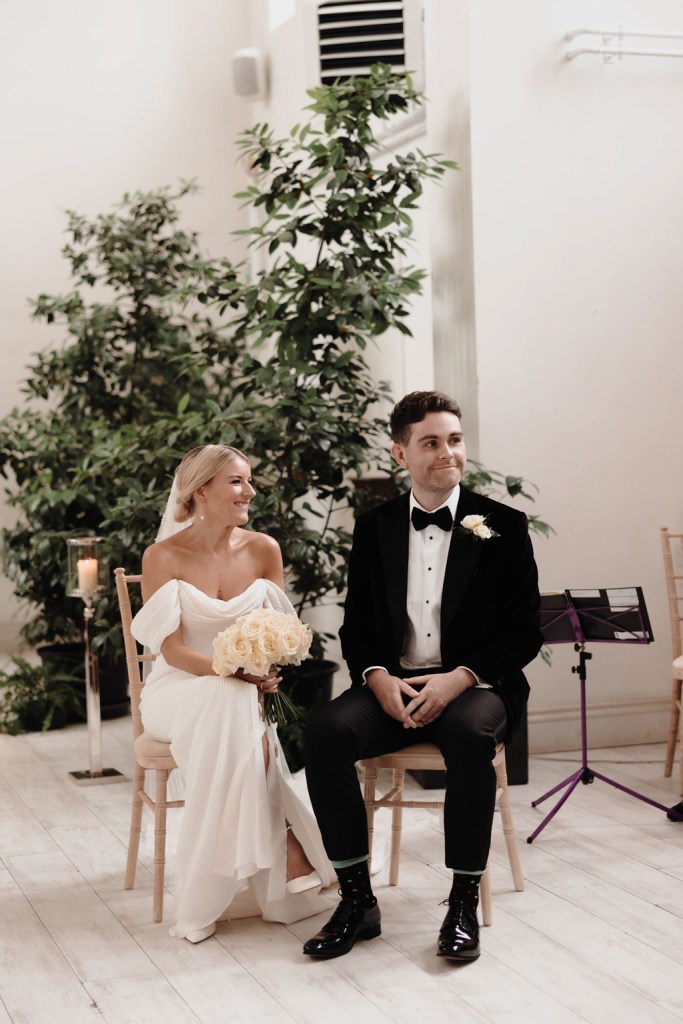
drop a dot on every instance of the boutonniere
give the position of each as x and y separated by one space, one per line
475 526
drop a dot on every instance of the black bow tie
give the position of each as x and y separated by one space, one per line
441 518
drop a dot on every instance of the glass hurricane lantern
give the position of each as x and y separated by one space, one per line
86 578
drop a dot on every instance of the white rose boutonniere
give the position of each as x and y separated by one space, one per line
475 526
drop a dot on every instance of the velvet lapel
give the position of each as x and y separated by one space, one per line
392 537
463 555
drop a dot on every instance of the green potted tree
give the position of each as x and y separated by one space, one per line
332 218
133 356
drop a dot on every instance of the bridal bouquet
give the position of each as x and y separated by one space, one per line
256 641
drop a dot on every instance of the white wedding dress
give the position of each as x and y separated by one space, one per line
232 840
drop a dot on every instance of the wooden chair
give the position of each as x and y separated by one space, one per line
150 755
672 550
427 756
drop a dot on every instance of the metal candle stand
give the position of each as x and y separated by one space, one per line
84 580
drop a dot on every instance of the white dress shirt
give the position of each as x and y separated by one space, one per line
427 555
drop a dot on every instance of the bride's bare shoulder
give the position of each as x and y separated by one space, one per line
258 539
161 555
265 554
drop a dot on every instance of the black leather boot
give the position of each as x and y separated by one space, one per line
351 920
356 917
459 935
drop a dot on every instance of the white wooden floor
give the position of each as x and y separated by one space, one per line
597 936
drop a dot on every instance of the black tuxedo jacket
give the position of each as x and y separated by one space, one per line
489 607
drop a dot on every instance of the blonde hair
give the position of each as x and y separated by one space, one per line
198 468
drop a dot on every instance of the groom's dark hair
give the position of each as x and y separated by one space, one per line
414 407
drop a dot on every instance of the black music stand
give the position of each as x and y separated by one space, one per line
610 615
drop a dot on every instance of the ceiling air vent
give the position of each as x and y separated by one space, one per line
354 34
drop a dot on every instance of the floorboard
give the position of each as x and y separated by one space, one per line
596 935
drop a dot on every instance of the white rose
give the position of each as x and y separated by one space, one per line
482 531
472 522
258 662
270 646
251 627
295 642
230 651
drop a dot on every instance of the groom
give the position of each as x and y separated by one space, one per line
441 616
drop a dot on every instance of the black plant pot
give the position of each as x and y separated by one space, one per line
32 721
309 686
310 683
114 701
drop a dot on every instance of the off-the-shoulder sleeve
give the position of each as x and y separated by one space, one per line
277 599
159 617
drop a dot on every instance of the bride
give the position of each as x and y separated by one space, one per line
244 830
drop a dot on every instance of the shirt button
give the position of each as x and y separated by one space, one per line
429 634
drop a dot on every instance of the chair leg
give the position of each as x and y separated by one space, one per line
485 898
369 788
135 827
674 726
161 782
509 825
398 777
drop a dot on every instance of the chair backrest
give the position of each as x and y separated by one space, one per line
134 660
672 550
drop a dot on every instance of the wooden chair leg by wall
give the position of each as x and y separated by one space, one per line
672 554
675 725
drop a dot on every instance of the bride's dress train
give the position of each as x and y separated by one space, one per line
232 847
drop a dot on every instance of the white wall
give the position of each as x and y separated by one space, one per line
578 231
101 98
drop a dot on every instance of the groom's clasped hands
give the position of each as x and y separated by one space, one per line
419 701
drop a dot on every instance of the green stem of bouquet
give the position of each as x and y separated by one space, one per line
278 708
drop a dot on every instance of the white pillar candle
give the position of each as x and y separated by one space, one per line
87 573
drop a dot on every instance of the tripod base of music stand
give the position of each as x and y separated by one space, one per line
586 775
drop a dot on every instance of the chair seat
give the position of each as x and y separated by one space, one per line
678 667
418 756
151 753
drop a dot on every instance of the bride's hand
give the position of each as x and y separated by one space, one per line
265 684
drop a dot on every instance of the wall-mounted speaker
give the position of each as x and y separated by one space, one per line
249 74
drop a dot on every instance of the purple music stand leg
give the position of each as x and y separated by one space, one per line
632 792
585 774
572 782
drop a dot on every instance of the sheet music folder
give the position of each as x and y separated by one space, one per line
605 615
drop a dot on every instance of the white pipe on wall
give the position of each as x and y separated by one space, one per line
608 33
606 51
